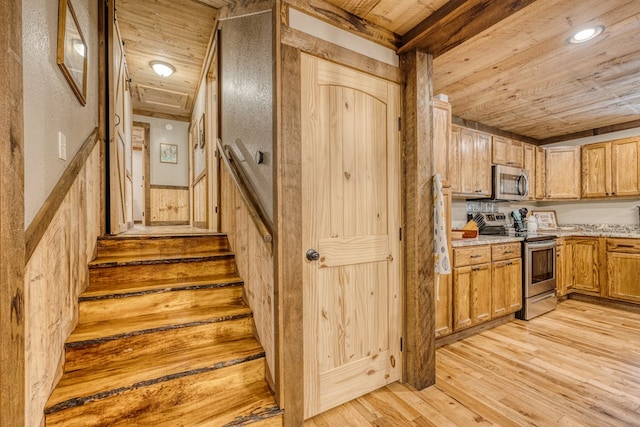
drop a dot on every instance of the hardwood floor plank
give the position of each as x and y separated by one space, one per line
576 366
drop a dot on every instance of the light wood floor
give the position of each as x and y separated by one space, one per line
162 230
576 366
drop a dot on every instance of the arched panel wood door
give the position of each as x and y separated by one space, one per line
351 208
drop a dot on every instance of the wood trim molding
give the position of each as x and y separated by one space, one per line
200 177
326 50
146 152
340 18
456 22
592 132
47 211
289 279
12 286
169 187
419 347
489 129
161 115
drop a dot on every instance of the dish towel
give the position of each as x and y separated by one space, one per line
440 249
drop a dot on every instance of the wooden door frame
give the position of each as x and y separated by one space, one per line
146 159
419 348
12 233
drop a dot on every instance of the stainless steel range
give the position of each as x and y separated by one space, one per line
538 276
538 261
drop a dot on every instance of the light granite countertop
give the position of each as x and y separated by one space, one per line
564 230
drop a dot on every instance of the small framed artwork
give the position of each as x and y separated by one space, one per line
168 153
546 219
195 134
72 50
201 129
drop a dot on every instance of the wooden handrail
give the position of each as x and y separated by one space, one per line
246 192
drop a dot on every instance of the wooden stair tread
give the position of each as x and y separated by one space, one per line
116 261
213 398
119 327
85 384
130 287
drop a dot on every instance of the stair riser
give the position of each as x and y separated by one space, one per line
146 246
162 271
154 303
99 354
157 404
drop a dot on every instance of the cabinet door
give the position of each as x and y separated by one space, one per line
541 161
623 278
482 164
462 298
481 284
500 150
562 173
529 163
454 159
467 153
516 154
625 167
596 172
586 264
441 138
506 287
444 315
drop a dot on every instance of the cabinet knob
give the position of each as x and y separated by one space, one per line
313 255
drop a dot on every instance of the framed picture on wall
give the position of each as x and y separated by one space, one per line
195 135
72 51
201 129
168 153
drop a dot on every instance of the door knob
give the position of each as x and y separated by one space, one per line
313 255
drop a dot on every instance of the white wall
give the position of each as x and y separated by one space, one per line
50 105
168 173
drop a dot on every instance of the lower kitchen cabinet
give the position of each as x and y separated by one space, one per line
471 295
587 265
444 305
564 267
506 287
623 269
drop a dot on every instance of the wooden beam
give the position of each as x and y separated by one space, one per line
12 263
419 342
592 132
289 290
492 130
456 22
161 115
340 18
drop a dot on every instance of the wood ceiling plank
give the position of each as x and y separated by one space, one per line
536 84
458 21
174 31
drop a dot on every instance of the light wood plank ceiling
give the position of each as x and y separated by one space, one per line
172 31
502 63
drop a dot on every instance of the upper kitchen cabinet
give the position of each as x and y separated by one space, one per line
625 167
540 173
442 140
529 163
475 163
562 173
507 151
611 168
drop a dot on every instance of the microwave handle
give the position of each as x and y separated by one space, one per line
523 190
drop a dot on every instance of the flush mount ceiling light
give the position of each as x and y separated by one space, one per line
162 68
586 34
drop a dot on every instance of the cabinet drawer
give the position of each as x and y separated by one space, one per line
471 255
505 251
629 246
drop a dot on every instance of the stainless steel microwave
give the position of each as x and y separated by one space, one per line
509 183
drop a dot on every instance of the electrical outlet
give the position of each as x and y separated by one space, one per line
62 146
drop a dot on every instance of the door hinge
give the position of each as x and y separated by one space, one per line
400 234
399 124
400 344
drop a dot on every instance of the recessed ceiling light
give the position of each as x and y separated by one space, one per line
162 68
586 34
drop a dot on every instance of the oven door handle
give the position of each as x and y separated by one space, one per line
546 244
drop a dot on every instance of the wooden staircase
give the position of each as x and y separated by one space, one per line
164 338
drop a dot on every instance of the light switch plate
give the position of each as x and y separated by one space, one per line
62 146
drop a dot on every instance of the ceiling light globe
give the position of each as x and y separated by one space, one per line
162 69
